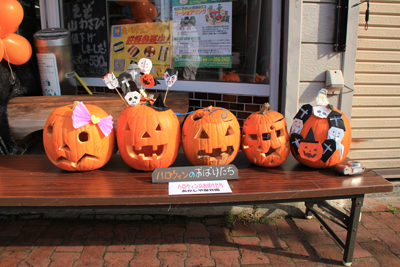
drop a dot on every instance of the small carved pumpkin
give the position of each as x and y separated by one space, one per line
230 76
211 136
82 149
147 80
148 139
265 139
256 78
332 134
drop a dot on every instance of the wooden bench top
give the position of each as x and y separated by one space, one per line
32 180
28 114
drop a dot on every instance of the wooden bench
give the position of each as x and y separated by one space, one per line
33 181
29 113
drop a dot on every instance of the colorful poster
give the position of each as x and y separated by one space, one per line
131 42
202 33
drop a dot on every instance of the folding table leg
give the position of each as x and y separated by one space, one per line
352 228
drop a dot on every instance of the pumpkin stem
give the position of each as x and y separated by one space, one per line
75 104
329 106
209 108
264 109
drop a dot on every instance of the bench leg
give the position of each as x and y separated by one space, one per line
352 228
308 214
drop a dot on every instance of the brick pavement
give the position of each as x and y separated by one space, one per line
178 241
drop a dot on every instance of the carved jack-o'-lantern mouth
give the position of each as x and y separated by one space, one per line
147 152
216 154
74 164
310 155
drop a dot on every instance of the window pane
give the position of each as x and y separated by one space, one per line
205 40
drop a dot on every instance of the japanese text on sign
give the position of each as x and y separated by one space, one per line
202 187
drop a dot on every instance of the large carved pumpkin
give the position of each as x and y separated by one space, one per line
211 136
265 140
82 149
320 136
147 138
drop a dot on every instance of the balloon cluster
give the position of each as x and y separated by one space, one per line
143 11
13 47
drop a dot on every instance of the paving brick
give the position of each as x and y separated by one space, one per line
364 235
198 252
220 239
146 255
26 239
389 219
117 259
64 259
364 262
269 236
226 258
370 222
56 230
93 252
240 229
149 230
312 264
250 251
124 235
286 226
39 222
300 248
359 252
12 258
172 239
215 221
12 229
176 259
102 230
279 257
390 238
41 253
314 233
381 253
330 254
196 230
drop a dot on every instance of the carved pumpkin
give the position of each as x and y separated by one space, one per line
265 139
148 139
211 136
256 78
230 76
332 136
147 80
82 149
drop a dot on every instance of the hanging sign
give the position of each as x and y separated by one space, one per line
202 33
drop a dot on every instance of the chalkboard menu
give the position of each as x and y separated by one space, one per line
87 22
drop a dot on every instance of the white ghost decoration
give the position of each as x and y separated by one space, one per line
337 135
145 65
322 97
297 126
110 80
134 71
321 112
133 98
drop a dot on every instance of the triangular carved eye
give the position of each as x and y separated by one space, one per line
201 134
49 130
65 147
146 135
158 128
230 131
252 137
126 127
266 136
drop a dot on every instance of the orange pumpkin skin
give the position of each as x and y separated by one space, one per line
230 76
82 149
148 139
265 139
320 128
211 137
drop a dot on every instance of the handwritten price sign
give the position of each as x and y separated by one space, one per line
195 173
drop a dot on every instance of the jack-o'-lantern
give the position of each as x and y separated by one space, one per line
230 76
147 80
265 140
211 136
148 138
320 136
79 148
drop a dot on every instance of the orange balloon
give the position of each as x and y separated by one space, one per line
1 50
124 21
144 9
17 49
11 15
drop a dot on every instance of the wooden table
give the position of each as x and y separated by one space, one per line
33 181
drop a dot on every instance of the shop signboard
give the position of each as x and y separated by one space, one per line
131 42
202 33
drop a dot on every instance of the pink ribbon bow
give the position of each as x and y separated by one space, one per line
81 116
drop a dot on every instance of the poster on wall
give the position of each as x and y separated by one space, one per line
131 42
202 33
87 23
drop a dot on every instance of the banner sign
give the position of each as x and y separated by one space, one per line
195 173
131 42
202 33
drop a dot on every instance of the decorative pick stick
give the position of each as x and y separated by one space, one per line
111 81
170 77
